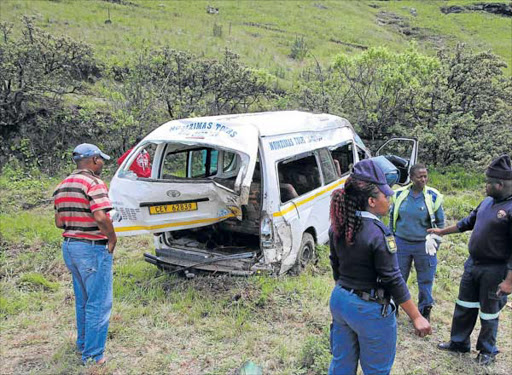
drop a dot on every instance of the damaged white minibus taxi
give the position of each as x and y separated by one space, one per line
242 193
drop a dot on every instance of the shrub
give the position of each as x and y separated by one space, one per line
315 355
299 49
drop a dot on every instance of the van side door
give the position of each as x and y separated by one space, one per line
403 153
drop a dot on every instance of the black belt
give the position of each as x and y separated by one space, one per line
91 242
489 262
367 295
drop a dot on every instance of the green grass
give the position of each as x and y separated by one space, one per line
206 325
262 32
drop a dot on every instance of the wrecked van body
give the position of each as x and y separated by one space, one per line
240 193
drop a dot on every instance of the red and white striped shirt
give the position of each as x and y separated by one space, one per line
76 198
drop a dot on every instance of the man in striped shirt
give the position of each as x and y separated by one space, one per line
81 208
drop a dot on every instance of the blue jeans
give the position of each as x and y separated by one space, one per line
425 268
360 332
91 268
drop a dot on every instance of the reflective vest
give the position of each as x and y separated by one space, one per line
433 200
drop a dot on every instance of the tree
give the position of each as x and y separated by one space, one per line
36 70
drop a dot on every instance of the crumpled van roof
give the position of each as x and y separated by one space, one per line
267 123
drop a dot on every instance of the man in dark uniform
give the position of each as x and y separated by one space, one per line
487 278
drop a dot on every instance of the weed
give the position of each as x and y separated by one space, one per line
36 281
217 30
315 355
299 49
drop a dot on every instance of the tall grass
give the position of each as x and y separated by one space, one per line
262 32
209 324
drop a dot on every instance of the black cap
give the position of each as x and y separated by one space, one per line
500 168
367 170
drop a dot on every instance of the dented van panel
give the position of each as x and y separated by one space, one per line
137 202
238 193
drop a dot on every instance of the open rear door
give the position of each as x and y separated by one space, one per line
201 175
403 153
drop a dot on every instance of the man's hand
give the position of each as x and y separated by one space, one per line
422 327
106 227
504 289
443 231
58 222
111 246
436 231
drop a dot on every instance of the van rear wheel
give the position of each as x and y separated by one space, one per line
306 255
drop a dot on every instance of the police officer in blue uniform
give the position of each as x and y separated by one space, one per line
368 279
487 278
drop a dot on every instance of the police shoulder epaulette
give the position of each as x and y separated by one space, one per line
388 235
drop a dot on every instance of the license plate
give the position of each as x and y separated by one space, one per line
171 208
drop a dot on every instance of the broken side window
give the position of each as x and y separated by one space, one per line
344 155
203 162
195 163
298 176
326 163
140 165
175 165
362 153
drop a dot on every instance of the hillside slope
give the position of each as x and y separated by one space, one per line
265 33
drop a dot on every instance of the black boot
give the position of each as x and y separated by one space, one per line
485 359
426 312
453 347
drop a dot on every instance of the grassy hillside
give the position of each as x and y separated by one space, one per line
264 32
207 325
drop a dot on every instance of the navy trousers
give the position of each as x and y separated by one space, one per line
477 297
425 265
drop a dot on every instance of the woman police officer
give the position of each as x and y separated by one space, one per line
416 208
365 268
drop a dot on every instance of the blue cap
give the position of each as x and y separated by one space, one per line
367 170
86 150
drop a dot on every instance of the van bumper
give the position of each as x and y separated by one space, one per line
176 259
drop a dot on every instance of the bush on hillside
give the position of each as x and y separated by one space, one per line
39 126
36 70
458 105
167 84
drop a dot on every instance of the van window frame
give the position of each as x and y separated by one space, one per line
296 157
320 166
343 144
188 156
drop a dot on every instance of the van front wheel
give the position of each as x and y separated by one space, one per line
306 255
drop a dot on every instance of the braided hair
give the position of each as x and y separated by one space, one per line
344 204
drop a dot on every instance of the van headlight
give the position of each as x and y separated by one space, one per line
266 233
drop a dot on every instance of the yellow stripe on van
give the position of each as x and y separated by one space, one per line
308 199
169 225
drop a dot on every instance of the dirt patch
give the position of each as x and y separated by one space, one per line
359 46
320 6
500 9
265 26
402 25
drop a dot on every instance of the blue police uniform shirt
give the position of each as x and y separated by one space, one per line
358 266
414 220
491 240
